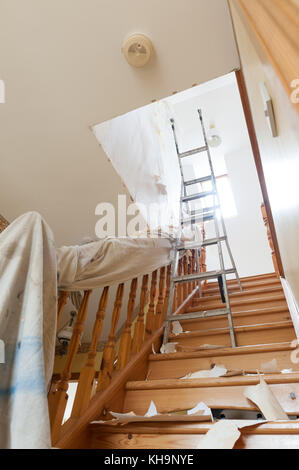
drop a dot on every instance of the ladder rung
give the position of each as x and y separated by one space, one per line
193 197
197 246
203 276
198 180
213 241
199 217
193 152
194 316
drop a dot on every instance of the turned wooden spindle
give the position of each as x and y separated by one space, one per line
194 267
161 296
105 373
271 244
179 287
139 325
203 256
124 350
62 300
150 316
59 399
87 374
185 272
189 270
167 293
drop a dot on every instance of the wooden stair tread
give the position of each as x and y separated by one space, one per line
256 311
245 328
211 288
277 378
240 318
237 303
179 396
271 427
251 349
243 293
259 277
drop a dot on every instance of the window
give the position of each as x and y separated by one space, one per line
227 202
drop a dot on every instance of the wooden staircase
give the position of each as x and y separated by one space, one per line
264 331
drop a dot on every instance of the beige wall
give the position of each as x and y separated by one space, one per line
280 155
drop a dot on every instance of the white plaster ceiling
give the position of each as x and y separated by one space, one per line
63 70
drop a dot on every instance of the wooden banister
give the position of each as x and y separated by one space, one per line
133 348
58 399
139 325
87 374
125 340
62 300
105 373
203 255
150 317
271 244
161 298
167 292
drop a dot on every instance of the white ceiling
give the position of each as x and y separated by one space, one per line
63 70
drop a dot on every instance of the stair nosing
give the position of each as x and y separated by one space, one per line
243 313
226 351
165 384
240 329
235 303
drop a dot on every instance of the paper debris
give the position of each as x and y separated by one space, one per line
269 367
287 371
225 433
263 397
198 348
233 373
217 371
168 348
177 328
222 435
199 413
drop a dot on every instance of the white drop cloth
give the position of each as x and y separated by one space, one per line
110 261
27 326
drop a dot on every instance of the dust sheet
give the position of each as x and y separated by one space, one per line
27 326
111 261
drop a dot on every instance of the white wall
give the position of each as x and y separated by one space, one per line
63 69
222 107
280 155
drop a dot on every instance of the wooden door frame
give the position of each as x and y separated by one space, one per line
258 163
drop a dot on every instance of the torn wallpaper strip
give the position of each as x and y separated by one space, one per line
263 397
201 412
168 348
177 328
225 433
217 371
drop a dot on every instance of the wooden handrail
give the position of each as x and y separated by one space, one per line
271 244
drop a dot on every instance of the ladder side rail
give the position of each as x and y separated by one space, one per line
217 231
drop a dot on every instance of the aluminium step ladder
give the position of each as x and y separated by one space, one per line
189 216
